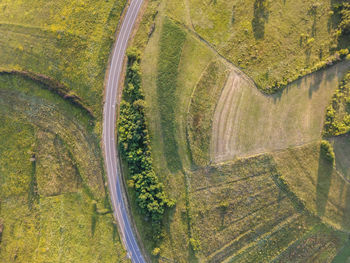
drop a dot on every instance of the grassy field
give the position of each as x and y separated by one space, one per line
54 203
243 212
341 147
202 108
176 235
54 206
272 41
171 43
321 187
66 40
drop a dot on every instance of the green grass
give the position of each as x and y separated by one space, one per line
51 178
171 44
343 255
202 107
25 100
341 147
55 207
320 244
68 41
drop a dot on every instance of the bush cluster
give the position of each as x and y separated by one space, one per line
327 151
338 112
135 146
344 11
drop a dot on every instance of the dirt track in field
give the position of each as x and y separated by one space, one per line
248 122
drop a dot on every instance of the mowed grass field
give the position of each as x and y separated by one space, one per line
68 41
54 204
248 122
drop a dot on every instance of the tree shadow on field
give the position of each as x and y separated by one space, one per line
346 215
315 82
324 178
261 15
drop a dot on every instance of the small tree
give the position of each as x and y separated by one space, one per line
327 151
195 244
156 251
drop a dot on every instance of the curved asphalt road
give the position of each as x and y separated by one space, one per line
109 118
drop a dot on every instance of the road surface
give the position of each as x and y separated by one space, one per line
116 188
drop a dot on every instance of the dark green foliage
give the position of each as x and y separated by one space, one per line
135 146
171 42
341 11
338 112
345 18
260 18
327 151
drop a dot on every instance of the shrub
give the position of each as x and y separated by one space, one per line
310 41
343 52
156 251
327 151
195 244
338 112
345 18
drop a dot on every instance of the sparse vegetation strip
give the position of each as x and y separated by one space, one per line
135 146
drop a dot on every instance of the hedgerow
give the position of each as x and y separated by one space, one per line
134 143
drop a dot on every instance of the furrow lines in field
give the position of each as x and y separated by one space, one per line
245 239
267 237
262 173
257 222
221 118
